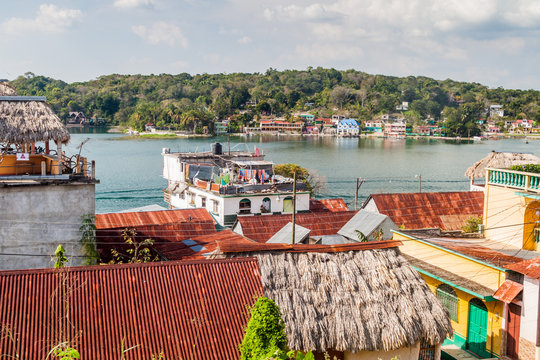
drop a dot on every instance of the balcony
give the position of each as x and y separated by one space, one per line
514 179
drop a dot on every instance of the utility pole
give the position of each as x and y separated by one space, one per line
294 208
359 182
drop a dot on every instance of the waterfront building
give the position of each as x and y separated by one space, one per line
348 127
229 184
522 125
44 194
373 126
493 310
397 128
278 126
222 127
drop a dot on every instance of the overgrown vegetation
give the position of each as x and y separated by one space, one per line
315 183
530 168
472 225
136 251
190 103
88 240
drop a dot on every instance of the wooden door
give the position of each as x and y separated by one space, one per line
512 337
477 332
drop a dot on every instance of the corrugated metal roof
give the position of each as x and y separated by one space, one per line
132 219
333 205
444 210
305 248
188 310
261 228
366 222
284 235
508 291
530 268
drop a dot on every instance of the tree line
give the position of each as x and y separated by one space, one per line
192 102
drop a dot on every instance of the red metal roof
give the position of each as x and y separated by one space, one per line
444 210
263 227
198 247
247 246
188 310
132 219
333 205
508 291
530 268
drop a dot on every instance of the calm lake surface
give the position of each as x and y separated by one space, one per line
130 168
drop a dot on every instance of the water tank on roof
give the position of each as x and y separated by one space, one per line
217 149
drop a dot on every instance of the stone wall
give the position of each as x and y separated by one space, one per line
35 219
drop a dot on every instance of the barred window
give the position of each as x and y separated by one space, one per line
448 298
427 351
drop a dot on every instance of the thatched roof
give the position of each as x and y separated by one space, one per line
6 89
500 160
368 300
28 119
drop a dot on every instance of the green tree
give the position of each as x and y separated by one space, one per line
265 333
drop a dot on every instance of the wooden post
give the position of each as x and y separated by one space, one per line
85 166
78 166
43 168
59 156
93 169
33 148
358 185
47 150
294 209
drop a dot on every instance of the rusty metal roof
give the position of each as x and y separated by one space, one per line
261 228
508 291
444 210
333 205
250 246
530 268
132 219
188 310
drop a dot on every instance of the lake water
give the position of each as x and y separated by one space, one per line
130 168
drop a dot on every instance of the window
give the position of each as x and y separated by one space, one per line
215 206
245 206
288 204
266 206
203 201
448 299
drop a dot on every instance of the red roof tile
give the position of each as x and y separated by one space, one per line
188 310
263 227
333 205
444 210
508 291
304 248
530 268
132 219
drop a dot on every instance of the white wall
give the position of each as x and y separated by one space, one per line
172 169
35 219
410 353
529 310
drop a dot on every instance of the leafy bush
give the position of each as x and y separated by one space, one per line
530 168
265 333
472 224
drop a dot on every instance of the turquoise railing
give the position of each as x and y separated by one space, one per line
517 179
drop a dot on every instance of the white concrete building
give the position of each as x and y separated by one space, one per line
229 185
348 127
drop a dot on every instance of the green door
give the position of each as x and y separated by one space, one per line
477 333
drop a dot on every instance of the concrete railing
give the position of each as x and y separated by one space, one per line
514 179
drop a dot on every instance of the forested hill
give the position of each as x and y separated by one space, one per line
189 102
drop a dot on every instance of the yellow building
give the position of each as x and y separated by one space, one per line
464 275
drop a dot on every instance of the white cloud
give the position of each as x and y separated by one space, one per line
126 4
49 19
161 33
313 12
244 40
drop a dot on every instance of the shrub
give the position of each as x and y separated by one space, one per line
530 168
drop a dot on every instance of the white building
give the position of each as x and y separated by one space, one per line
496 110
229 184
348 127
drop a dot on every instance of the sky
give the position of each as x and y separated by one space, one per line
493 42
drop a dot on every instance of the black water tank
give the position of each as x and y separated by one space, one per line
217 149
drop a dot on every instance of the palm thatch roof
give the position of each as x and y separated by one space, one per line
6 89
28 119
368 300
500 160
